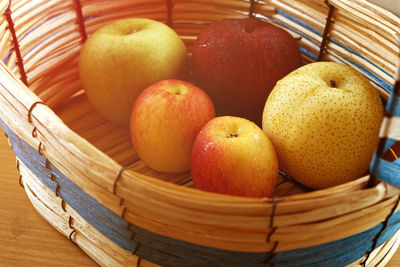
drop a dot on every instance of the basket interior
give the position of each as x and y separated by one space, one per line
50 40
115 141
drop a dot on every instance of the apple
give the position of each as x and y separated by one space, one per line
232 155
165 120
324 120
124 57
238 61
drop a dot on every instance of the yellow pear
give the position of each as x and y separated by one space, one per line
324 120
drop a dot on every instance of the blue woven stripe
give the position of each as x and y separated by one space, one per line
394 105
397 161
172 252
341 252
385 170
389 143
304 51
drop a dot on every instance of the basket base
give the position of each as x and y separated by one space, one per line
105 252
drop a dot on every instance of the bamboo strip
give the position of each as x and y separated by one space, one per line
241 233
64 58
4 34
256 223
368 20
387 254
297 12
392 127
294 10
11 61
227 204
59 142
52 92
100 248
101 8
3 6
226 4
36 12
44 84
384 16
380 40
308 230
40 50
192 237
64 91
309 16
360 48
381 256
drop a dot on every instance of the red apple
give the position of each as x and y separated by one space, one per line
165 119
234 156
238 62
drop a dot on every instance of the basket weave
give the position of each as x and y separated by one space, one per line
82 174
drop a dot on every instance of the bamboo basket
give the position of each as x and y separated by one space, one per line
83 176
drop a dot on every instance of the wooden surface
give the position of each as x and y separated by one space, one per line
26 239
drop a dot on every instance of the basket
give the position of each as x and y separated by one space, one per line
83 176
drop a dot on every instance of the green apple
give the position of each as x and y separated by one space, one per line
124 57
324 120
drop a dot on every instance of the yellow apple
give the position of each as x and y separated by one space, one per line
166 118
124 57
324 120
233 156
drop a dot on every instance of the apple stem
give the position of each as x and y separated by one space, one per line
233 135
333 83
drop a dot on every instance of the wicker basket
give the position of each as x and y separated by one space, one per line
82 174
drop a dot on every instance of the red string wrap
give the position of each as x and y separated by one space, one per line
20 63
80 20
169 13
325 35
251 8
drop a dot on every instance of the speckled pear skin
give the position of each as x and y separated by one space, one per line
324 120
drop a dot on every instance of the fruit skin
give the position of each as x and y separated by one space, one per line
238 61
124 57
324 134
166 117
232 155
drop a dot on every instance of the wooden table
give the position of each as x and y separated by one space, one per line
26 239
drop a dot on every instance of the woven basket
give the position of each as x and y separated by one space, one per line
82 174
